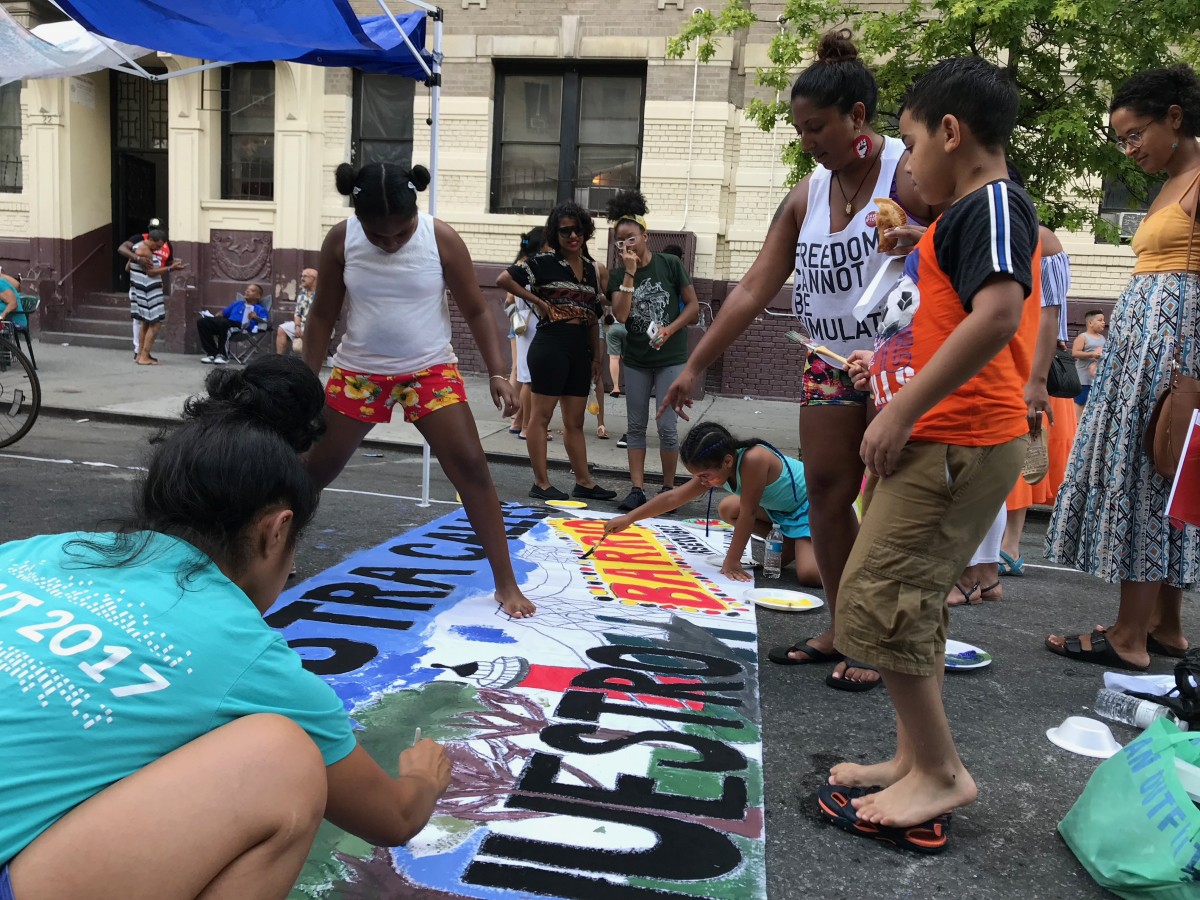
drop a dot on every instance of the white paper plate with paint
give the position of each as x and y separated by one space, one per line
783 601
966 656
716 560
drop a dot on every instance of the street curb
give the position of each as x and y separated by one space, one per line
413 449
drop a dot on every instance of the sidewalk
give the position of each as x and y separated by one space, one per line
88 382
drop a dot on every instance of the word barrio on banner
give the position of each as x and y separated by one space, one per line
607 747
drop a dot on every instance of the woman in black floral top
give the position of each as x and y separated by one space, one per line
563 288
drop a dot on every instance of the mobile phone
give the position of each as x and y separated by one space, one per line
653 330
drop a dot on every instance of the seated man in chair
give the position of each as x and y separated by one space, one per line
293 330
10 286
246 313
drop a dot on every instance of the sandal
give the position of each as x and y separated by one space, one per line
845 684
983 594
835 806
966 596
779 655
1158 648
1010 566
1101 652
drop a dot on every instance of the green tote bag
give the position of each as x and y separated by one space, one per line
1134 828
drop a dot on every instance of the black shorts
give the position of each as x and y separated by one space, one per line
560 360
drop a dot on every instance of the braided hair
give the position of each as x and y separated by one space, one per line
708 443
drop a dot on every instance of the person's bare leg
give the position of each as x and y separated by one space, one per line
454 440
522 420
536 432
830 437
149 335
329 455
614 372
230 815
572 410
670 465
807 571
1013 529
936 781
637 466
1166 624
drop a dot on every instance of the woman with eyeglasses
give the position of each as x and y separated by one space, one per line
563 287
652 295
391 265
1110 516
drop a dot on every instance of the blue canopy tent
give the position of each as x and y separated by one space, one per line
314 32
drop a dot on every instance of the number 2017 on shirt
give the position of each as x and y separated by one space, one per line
68 640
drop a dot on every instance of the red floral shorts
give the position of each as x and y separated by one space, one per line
370 398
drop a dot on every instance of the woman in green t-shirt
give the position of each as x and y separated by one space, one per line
652 294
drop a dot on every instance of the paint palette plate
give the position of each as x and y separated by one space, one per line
716 560
966 656
783 601
566 504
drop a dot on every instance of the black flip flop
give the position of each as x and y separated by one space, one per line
853 687
928 838
1101 653
779 655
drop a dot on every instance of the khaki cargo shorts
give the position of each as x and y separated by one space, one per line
920 529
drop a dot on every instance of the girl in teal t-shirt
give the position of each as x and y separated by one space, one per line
767 489
159 740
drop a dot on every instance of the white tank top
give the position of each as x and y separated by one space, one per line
397 317
833 269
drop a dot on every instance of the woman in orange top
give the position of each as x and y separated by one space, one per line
1110 518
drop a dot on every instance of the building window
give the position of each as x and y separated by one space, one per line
383 119
10 138
1124 208
566 134
248 132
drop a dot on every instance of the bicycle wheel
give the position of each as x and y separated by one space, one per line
20 394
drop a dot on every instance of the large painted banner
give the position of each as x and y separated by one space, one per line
608 747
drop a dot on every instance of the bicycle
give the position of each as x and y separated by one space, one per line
20 390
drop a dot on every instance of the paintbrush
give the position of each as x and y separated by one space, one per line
797 338
603 537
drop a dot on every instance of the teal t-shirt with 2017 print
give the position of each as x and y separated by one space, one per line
656 298
103 670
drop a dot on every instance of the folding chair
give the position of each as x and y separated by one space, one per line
243 345
26 304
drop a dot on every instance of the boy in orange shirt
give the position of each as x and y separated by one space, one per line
948 372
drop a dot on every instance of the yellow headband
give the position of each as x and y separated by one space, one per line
636 219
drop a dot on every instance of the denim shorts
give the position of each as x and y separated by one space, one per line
6 891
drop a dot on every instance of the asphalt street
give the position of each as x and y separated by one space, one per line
69 475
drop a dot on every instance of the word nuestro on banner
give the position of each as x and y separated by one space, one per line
608 747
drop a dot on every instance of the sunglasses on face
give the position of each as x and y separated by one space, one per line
569 230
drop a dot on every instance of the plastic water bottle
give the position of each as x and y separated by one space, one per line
773 557
1120 707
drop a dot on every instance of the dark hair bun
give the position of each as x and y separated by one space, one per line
625 203
278 392
419 176
837 46
345 177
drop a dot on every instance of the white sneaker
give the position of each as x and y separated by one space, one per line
219 360
207 360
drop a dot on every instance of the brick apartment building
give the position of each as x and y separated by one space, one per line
541 102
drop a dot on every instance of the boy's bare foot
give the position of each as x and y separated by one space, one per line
916 798
882 774
516 604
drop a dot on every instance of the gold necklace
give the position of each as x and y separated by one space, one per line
838 178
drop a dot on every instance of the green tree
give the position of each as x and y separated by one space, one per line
1066 57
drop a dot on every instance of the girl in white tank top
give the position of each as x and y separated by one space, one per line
824 236
389 267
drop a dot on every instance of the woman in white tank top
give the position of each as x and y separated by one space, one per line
390 266
823 234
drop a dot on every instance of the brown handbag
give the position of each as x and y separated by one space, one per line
1172 416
